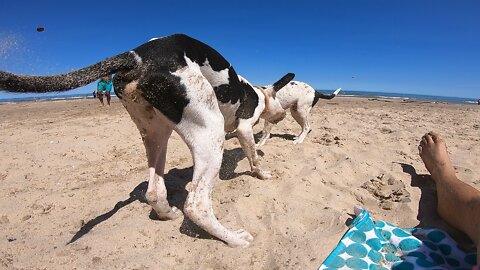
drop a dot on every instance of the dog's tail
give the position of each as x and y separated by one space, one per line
323 96
58 83
283 81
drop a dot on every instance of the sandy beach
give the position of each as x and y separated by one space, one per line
73 174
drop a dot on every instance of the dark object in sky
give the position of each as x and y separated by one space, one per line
40 29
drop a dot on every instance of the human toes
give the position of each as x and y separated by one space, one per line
427 138
437 138
423 144
420 148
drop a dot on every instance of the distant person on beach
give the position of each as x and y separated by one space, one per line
458 202
104 85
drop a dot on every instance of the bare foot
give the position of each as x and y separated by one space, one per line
433 151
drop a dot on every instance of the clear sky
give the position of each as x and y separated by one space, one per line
424 47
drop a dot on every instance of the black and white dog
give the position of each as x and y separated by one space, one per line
176 83
300 98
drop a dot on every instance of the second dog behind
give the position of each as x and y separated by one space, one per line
300 98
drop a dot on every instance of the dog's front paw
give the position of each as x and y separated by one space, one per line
260 143
174 213
261 174
242 239
297 141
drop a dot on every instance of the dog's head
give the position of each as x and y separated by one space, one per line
274 112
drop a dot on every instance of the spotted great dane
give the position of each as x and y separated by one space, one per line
297 96
177 83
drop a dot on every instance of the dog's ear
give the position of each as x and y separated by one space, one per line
283 81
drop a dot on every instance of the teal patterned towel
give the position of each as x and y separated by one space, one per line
381 245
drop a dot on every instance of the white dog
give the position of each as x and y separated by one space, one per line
177 83
300 98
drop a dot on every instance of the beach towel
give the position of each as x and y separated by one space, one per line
372 244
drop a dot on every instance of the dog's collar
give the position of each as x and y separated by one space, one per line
267 101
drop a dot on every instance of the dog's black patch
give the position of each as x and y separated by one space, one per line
293 83
122 78
250 102
161 89
316 98
166 93
229 92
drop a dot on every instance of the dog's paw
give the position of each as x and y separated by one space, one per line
243 239
174 213
260 143
261 174
297 141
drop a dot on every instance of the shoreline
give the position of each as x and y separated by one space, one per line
342 94
370 98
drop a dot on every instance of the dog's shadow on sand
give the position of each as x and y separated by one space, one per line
230 160
288 137
175 182
258 136
137 194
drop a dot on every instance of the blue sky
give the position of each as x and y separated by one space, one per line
423 47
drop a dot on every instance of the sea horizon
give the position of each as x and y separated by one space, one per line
344 93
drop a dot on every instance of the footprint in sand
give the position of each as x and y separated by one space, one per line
387 190
327 139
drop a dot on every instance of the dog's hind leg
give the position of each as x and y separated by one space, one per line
301 116
155 130
267 128
245 136
156 195
207 149
202 129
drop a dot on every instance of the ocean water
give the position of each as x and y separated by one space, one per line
400 96
48 97
345 93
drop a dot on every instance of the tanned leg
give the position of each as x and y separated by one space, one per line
100 97
458 202
107 94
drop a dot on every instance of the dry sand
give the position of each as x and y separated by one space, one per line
75 171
